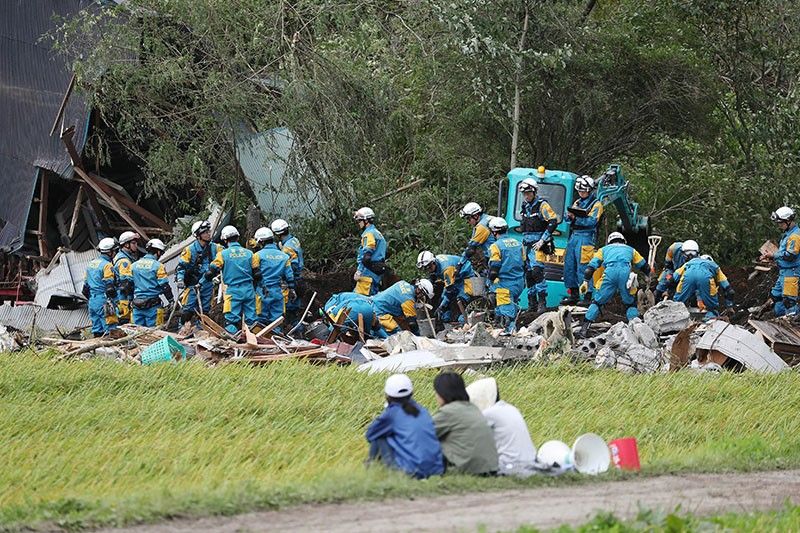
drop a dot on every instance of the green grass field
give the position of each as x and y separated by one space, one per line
87 443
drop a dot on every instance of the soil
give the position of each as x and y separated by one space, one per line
699 494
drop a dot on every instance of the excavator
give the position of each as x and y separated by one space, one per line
558 188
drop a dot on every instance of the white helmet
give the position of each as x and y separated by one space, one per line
279 226
425 286
782 214
528 185
128 236
201 226
616 237
690 248
425 258
398 386
584 184
158 244
229 232
365 213
263 234
107 244
498 224
707 257
470 210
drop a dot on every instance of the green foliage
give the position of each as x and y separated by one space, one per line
697 97
98 442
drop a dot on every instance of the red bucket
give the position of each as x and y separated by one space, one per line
625 453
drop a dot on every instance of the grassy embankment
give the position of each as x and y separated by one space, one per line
98 442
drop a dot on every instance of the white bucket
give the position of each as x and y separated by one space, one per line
590 454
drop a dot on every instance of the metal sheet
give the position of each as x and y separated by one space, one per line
741 345
270 165
65 279
23 317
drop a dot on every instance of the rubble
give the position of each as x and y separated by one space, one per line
723 342
667 316
7 341
631 348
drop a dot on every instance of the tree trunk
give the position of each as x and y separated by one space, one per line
517 96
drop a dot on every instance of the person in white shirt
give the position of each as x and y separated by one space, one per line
516 452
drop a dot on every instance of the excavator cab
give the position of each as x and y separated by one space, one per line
558 188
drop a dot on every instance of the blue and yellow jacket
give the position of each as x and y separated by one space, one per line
616 256
397 300
447 269
373 244
275 266
506 261
150 278
239 266
481 237
291 247
356 303
589 223
788 254
101 281
539 221
674 258
122 268
194 258
704 269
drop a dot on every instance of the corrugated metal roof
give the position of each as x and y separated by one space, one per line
23 317
65 279
33 80
270 165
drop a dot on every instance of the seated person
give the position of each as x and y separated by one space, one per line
467 440
403 436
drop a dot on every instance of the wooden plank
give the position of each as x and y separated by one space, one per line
112 201
44 193
274 324
75 212
127 202
63 105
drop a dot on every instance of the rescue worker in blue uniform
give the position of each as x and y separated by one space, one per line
457 277
240 272
538 222
190 273
290 245
618 261
506 274
701 277
371 257
275 274
354 305
100 288
399 301
784 294
481 237
673 260
582 237
150 283
127 254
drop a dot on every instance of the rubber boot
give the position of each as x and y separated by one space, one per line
584 332
542 308
531 299
571 298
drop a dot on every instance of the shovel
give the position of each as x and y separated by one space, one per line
645 299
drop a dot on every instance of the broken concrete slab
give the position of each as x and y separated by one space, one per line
554 326
667 317
740 345
7 341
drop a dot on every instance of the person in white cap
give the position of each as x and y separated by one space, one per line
403 436
194 290
371 256
241 271
100 288
127 254
784 294
150 282
516 453
400 301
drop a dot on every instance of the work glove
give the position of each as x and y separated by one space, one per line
584 288
538 244
180 284
632 279
729 296
209 275
357 275
109 308
292 295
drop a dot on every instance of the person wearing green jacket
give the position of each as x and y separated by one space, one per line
467 441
